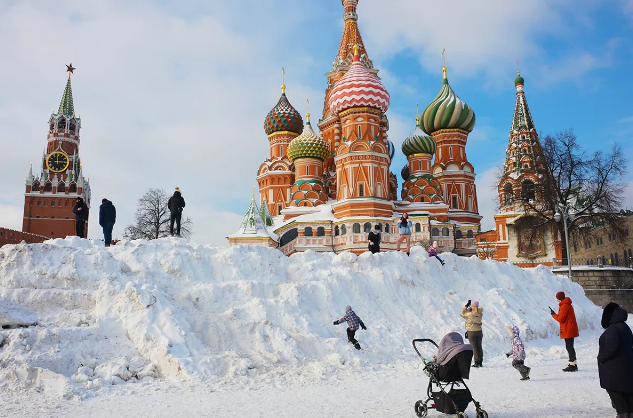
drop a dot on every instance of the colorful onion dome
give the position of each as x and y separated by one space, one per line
519 79
283 117
405 172
358 88
419 142
391 148
447 111
308 145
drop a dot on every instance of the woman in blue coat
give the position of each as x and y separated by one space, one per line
615 360
405 232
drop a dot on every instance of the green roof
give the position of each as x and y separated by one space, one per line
66 107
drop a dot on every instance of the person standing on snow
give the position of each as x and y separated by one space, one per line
518 353
405 232
175 204
81 217
474 317
107 219
615 360
568 328
433 252
374 239
353 322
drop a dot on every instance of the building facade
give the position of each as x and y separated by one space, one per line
51 194
326 191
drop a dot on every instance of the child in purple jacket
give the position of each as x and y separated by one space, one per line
353 322
518 353
433 252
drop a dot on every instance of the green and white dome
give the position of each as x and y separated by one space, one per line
419 143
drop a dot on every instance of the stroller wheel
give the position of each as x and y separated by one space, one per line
482 414
421 410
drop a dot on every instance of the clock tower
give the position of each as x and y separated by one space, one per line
50 195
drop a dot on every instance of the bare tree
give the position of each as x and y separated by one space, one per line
152 218
589 184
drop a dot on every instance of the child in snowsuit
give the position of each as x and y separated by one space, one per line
353 322
433 252
518 353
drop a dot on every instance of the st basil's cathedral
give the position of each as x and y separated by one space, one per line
326 192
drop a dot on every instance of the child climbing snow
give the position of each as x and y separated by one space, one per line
518 353
433 252
353 322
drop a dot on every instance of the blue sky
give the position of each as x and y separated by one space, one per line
175 93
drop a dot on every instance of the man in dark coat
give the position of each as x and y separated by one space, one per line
615 359
81 217
374 240
107 218
176 204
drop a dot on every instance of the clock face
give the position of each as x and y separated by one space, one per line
57 162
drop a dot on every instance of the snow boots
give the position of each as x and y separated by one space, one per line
526 376
355 344
572 367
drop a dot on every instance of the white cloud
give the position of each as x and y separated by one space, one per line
628 196
11 216
487 197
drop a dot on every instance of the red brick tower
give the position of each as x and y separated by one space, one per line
50 196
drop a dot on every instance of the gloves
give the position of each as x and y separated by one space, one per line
363 326
552 311
508 355
335 323
468 304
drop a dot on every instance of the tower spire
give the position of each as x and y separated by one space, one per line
66 106
283 80
444 63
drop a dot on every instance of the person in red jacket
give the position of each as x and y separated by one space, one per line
568 328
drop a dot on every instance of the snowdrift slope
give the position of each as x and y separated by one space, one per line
180 311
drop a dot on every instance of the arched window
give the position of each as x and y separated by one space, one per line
458 234
418 227
444 232
360 132
61 123
507 194
71 125
307 232
72 188
320 231
39 203
611 258
386 230
361 190
356 228
470 234
367 227
288 237
617 259
52 126
527 190
52 203
307 170
343 229
435 232
336 231
36 186
61 187
48 187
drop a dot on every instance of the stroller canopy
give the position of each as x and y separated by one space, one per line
451 345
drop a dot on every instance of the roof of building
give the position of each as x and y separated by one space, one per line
447 111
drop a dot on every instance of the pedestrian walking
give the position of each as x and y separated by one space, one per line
473 315
374 239
353 322
433 252
566 317
81 212
615 360
175 204
518 353
107 219
405 233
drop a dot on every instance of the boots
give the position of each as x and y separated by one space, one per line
572 367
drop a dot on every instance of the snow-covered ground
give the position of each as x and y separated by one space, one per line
171 328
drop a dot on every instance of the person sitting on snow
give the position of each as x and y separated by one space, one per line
353 322
518 353
433 252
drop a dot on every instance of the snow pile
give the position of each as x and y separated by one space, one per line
175 310
15 315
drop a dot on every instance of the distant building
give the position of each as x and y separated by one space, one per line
602 243
326 192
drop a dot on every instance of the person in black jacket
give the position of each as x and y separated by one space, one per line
615 359
81 217
107 218
175 204
374 240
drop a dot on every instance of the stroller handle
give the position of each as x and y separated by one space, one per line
422 340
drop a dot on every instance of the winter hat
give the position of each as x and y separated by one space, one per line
475 304
434 244
348 308
608 313
560 295
104 200
177 189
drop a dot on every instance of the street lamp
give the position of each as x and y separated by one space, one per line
565 215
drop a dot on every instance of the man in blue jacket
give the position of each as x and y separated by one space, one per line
107 218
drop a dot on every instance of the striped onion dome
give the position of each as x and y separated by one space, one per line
283 117
419 143
391 148
405 173
358 88
308 145
447 111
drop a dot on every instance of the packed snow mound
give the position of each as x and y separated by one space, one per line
175 310
15 315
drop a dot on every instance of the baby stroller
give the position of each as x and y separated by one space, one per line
446 375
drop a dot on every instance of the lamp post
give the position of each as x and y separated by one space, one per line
564 209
